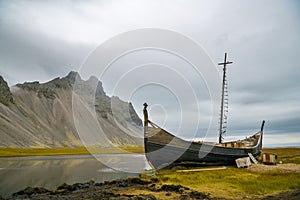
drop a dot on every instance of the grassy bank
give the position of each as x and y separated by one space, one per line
18 152
286 155
234 183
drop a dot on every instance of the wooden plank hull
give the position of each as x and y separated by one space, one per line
163 150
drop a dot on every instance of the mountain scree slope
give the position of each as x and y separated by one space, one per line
40 115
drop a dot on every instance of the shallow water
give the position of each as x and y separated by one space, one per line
51 171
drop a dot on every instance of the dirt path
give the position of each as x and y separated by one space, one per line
289 168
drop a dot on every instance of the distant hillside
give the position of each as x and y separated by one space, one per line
40 115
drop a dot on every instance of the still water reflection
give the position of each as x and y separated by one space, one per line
51 171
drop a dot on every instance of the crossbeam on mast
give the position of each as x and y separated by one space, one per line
222 97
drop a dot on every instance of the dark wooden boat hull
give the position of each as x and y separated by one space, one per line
162 153
161 156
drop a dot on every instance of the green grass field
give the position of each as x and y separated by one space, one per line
18 152
234 183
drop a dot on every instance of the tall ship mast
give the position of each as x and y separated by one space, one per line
224 101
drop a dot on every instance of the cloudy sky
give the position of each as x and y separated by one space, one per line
41 40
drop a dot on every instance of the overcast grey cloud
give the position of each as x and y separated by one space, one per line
40 40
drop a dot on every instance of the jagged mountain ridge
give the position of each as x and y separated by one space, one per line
40 115
6 97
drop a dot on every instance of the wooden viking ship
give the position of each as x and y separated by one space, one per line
163 149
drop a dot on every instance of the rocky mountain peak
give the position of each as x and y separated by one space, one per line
72 76
68 81
93 82
48 89
6 97
100 90
30 86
